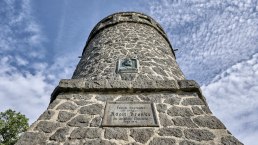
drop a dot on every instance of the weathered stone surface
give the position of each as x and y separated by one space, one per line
186 142
82 102
53 104
128 98
172 101
92 109
161 107
79 121
206 110
230 140
64 116
184 121
95 122
156 98
116 133
141 135
162 141
192 101
47 126
197 110
32 138
164 121
179 111
170 132
46 115
209 121
67 106
82 96
98 142
80 133
199 134
105 98
60 134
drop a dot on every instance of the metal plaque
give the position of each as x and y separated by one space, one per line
127 65
130 114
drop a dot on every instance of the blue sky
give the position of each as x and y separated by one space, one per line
40 42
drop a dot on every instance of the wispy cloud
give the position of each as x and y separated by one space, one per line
232 95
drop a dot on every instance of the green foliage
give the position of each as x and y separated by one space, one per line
12 125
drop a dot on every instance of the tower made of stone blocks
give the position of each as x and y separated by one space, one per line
128 90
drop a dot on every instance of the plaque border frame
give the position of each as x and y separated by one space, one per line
153 109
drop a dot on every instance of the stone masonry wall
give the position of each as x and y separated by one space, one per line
128 39
75 118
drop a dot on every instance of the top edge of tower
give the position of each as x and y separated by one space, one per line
130 17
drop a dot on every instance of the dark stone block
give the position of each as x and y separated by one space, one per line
64 116
82 102
116 133
47 126
170 132
105 98
209 121
184 121
161 107
162 141
93 109
156 98
81 133
179 111
32 138
60 134
67 106
79 121
172 101
199 134
46 115
164 121
206 110
186 142
230 140
53 104
141 135
197 110
192 101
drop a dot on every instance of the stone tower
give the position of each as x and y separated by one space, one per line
128 90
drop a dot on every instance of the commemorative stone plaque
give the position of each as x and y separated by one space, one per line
130 114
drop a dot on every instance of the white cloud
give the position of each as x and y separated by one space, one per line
233 98
211 36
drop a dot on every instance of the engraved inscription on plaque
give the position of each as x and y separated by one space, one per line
130 114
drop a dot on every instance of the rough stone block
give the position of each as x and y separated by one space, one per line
199 134
81 133
64 116
67 106
197 110
141 135
162 141
192 101
209 121
60 134
184 121
186 142
79 121
156 98
46 115
179 111
161 108
116 133
32 138
230 140
164 121
47 126
172 101
94 109
170 132
131 98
